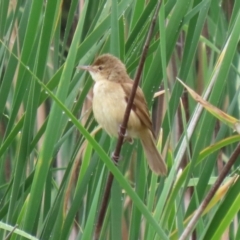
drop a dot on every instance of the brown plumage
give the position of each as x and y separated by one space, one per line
111 91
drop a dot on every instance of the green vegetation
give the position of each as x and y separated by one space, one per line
54 165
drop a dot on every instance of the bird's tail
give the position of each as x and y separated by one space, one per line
155 160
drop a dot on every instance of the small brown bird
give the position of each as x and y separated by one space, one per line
110 96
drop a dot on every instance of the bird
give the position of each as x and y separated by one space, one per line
111 91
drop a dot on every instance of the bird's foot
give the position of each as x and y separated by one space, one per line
121 130
128 139
115 158
125 136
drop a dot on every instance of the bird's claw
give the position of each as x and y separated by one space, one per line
121 130
115 158
128 139
125 136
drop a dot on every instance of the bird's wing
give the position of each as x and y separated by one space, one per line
139 105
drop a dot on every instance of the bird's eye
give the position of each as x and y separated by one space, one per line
100 68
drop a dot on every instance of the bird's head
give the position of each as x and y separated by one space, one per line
106 67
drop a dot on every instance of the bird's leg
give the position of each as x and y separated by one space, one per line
121 130
115 158
126 137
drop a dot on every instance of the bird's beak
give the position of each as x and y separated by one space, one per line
86 68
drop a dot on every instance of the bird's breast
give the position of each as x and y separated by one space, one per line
109 105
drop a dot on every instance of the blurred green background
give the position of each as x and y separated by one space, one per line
53 163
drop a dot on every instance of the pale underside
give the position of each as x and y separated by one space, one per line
109 113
